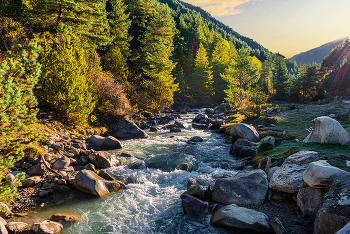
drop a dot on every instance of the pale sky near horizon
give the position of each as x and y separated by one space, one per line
286 26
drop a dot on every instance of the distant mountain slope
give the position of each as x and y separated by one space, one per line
317 54
184 7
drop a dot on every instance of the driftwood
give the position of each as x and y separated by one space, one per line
277 226
46 164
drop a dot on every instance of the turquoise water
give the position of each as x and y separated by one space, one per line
151 201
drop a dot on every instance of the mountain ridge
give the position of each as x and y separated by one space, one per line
316 55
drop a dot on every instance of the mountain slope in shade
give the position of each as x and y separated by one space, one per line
316 55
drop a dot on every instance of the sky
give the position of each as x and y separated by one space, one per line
285 26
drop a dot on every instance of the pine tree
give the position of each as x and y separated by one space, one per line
242 72
201 82
266 76
65 85
88 19
280 77
18 76
156 50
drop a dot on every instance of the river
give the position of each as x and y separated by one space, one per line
151 201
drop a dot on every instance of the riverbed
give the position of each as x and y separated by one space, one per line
151 201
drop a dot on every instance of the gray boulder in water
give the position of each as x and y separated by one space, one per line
248 187
233 216
90 183
103 159
127 129
328 131
193 206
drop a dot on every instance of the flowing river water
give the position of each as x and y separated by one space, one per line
151 201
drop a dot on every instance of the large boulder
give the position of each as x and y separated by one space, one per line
289 177
241 130
197 191
223 108
90 183
193 206
265 121
111 143
248 187
17 227
321 174
31 181
61 163
335 211
200 117
96 140
235 217
344 230
3 229
127 129
309 201
37 170
244 148
328 131
47 227
103 159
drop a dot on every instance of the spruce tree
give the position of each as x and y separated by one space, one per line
88 19
280 77
156 50
201 82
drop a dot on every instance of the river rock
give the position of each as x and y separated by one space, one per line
180 124
265 121
244 148
90 183
197 191
127 130
17 227
309 201
96 140
344 230
248 187
5 211
103 159
235 217
31 181
199 126
59 146
47 227
105 175
195 139
37 170
209 111
193 206
64 217
241 130
111 143
223 108
271 171
321 174
61 163
289 177
328 131
3 229
153 129
200 117
268 139
335 211
137 164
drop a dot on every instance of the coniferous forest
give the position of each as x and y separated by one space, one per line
107 60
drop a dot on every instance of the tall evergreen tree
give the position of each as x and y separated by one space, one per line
156 50
280 77
88 19
201 88
266 76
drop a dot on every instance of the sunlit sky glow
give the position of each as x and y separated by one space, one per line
285 26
